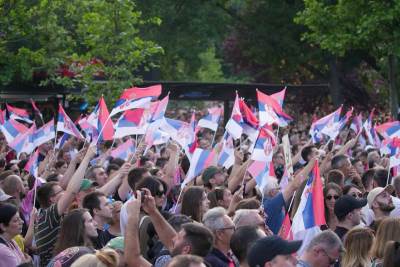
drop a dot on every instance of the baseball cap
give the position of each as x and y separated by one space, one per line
116 243
346 204
86 184
267 248
4 196
209 172
376 191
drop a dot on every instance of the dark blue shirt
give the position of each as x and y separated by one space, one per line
218 259
275 209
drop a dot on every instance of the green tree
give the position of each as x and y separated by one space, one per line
343 27
94 40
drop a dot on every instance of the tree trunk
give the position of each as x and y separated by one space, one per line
335 87
394 102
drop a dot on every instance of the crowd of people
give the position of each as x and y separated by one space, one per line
90 209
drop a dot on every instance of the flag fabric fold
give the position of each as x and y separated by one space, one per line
211 120
66 125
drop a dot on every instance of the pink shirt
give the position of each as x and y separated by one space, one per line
10 254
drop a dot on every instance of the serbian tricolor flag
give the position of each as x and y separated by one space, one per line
370 132
270 111
286 229
310 214
247 114
227 158
155 136
264 146
346 118
132 122
389 129
18 113
279 96
11 129
131 104
2 116
36 109
44 134
158 110
201 159
193 142
356 123
136 93
211 120
328 125
124 150
260 171
66 125
234 125
105 125
179 131
32 166
23 143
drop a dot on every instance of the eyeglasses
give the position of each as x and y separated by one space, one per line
331 260
160 193
357 195
329 197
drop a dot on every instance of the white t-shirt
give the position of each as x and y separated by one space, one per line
123 216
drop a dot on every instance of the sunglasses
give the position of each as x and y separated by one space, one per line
329 197
357 195
331 260
160 193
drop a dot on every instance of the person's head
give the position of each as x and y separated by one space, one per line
98 174
77 228
396 185
357 244
220 224
324 249
10 222
14 187
99 207
348 210
250 217
331 193
380 201
102 258
335 176
176 221
13 167
112 168
373 158
220 197
381 177
250 203
118 244
358 166
135 175
193 238
271 188
156 188
186 261
353 190
341 163
61 167
242 239
309 152
195 202
49 193
392 254
212 177
388 230
4 175
367 179
273 251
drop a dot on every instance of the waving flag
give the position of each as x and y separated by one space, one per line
192 145
36 109
370 132
356 124
211 120
66 125
11 129
124 150
62 140
179 131
2 116
329 125
248 116
132 122
44 134
32 166
346 118
159 109
389 129
270 111
24 142
286 229
105 125
154 136
201 159
131 104
135 93
19 114
310 214
234 125
264 146
279 96
260 171
226 157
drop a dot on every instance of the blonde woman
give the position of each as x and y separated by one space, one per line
102 258
388 230
357 244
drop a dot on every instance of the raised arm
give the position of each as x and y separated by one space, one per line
76 181
113 184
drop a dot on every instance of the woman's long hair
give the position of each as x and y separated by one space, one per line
328 187
388 230
191 203
392 254
358 243
72 231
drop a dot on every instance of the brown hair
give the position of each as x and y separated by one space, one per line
388 230
191 202
185 260
102 258
357 244
392 254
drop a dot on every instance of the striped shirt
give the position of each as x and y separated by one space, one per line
47 227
